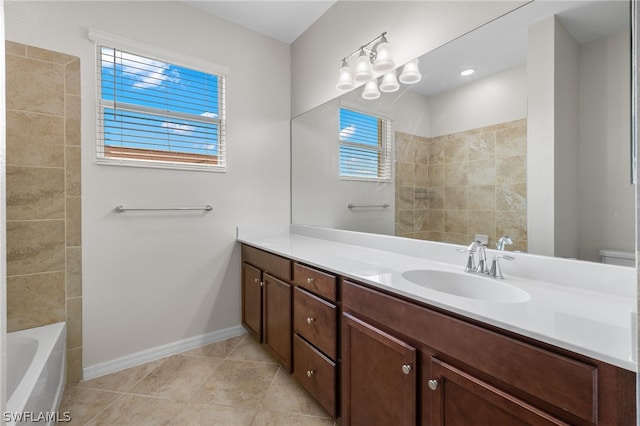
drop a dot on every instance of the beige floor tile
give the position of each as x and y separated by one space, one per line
267 418
178 377
287 396
219 349
196 414
250 350
123 380
238 383
84 404
137 410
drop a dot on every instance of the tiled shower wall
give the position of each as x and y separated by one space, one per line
44 280
451 187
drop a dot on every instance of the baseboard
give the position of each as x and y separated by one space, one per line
138 358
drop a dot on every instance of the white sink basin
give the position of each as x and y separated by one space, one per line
467 285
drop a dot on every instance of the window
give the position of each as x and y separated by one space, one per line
365 146
156 113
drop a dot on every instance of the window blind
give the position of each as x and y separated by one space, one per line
365 146
152 112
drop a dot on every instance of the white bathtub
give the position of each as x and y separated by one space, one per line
36 371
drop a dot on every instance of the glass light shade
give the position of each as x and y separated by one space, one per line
363 68
345 81
371 90
383 62
389 82
410 73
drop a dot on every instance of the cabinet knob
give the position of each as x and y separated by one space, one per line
433 384
255 280
310 320
310 373
406 369
309 280
261 283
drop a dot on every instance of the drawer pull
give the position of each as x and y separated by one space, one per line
433 384
310 373
310 320
261 283
309 280
406 369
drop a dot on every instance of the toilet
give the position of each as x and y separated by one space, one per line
618 257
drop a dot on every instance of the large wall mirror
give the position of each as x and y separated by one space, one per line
536 144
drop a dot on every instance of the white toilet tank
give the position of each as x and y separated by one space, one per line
618 257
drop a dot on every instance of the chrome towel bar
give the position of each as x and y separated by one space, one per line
353 206
122 209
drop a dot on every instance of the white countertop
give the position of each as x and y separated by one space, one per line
588 316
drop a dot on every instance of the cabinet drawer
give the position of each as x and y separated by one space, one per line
316 373
316 320
556 383
317 282
275 265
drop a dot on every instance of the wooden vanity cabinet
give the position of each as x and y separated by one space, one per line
467 372
267 301
315 341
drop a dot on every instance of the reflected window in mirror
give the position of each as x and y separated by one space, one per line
365 146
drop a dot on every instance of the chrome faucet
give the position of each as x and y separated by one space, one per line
476 247
504 241
495 270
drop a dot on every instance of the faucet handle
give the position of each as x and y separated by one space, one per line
471 260
495 270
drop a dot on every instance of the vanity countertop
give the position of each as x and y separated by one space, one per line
591 319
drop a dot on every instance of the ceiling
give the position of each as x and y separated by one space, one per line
281 20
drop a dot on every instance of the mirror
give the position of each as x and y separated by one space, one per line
534 145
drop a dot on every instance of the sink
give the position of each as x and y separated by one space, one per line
467 285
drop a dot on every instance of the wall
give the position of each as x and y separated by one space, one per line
43 194
414 28
157 279
607 198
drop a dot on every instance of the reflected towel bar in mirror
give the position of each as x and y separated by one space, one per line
353 206
122 209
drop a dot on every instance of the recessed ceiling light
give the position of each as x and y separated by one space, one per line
467 72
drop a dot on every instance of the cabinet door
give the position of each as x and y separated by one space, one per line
277 318
252 300
378 377
459 399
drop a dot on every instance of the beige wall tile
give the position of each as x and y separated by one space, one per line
436 151
437 198
35 300
72 120
482 146
456 221
420 220
35 246
436 220
72 78
13 48
74 272
74 365
421 175
436 175
73 172
74 222
436 236
422 198
511 197
405 148
35 139
404 174
34 193
422 151
511 142
455 198
49 55
482 222
34 86
404 197
456 150
456 174
511 170
482 172
404 221
481 197
74 323
454 238
513 224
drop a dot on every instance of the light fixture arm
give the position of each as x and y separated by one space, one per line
370 51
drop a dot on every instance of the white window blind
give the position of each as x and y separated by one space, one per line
158 114
365 146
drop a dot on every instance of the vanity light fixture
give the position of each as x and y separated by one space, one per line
375 57
467 72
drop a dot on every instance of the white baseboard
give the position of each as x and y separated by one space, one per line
138 358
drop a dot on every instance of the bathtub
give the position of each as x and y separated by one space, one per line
36 370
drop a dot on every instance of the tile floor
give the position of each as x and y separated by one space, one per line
233 382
